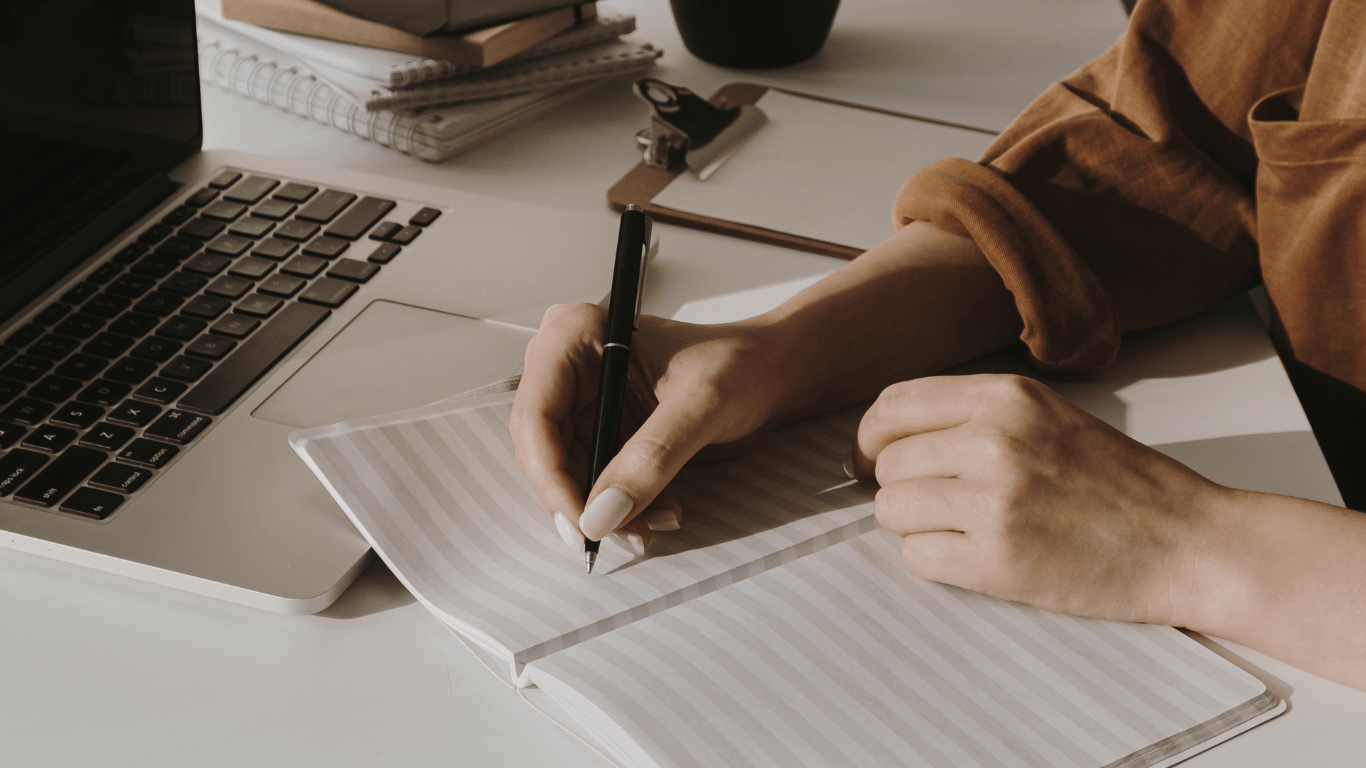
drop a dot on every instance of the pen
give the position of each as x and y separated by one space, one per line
623 317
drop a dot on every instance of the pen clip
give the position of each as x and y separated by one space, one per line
644 262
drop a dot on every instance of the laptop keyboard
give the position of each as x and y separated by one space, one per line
105 386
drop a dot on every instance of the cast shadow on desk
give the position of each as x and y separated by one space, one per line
375 590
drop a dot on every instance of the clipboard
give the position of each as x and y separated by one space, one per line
643 183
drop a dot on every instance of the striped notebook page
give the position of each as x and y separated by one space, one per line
844 658
438 494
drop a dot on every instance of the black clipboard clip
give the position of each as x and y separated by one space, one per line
686 128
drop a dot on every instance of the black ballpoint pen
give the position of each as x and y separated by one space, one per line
623 317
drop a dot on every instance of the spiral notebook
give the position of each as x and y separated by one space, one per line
777 628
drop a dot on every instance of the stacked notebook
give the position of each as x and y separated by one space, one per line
429 108
779 627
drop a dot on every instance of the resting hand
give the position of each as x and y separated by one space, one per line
689 386
1000 485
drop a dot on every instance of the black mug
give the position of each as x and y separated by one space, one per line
754 33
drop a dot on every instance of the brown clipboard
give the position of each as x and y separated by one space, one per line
642 183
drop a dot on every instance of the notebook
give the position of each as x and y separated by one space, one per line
778 627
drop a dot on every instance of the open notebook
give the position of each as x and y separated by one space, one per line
777 628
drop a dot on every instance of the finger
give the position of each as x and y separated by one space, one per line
947 557
646 463
912 408
925 505
931 454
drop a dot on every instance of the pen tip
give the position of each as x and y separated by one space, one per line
590 558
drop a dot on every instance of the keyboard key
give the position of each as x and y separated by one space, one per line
297 230
355 271
178 215
201 198
206 307
207 264
186 368
134 413
384 253
9 434
181 328
156 349
155 234
326 247
130 371
223 210
210 347
257 305
225 179
59 477
275 210
107 345
107 437
295 192
252 189
180 247
120 477
80 293
77 415
281 285
130 253
106 306
424 217
26 335
49 438
148 453
52 313
104 392
251 267
202 229
252 359
55 389
10 389
16 467
25 368
163 391
26 410
229 287
79 326
386 230
129 286
235 326
178 427
252 227
104 273
360 218
303 266
155 265
326 206
275 249
83 367
328 292
184 283
229 245
159 304
405 235
53 347
92 503
6 353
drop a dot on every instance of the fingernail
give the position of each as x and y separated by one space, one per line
572 538
849 466
606 512
660 519
632 541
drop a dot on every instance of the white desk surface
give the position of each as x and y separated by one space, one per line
97 670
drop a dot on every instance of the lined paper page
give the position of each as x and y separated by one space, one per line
845 658
438 493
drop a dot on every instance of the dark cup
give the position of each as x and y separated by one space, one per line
754 33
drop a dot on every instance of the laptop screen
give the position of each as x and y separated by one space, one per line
98 99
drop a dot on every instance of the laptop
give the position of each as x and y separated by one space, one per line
169 315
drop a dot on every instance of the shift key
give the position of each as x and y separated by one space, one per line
58 479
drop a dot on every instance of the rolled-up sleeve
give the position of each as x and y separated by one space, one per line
1122 197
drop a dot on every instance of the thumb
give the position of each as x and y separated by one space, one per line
645 464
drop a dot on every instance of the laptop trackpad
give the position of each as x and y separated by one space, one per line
392 357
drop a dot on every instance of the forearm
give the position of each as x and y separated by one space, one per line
917 303
1285 576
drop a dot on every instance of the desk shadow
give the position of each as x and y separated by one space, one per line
376 590
1286 463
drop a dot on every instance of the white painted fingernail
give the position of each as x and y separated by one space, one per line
849 466
631 541
606 512
662 519
572 538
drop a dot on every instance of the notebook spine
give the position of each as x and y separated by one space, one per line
638 59
303 94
